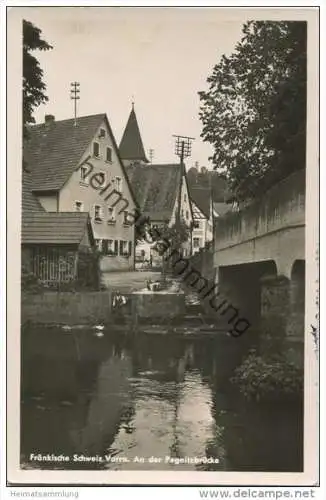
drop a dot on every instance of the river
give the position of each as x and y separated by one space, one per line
108 401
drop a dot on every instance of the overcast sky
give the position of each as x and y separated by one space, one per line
158 57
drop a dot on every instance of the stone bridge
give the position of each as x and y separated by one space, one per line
259 259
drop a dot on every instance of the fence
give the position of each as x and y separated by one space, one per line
53 265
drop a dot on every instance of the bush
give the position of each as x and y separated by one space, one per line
268 378
30 282
88 270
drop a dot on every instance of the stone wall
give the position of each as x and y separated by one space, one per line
282 206
158 306
93 308
66 307
202 262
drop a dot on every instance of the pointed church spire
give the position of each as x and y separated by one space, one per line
131 146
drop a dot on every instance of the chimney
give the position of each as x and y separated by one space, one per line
49 119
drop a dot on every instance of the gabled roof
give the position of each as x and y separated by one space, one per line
197 213
202 198
54 149
155 188
131 145
221 208
55 227
30 202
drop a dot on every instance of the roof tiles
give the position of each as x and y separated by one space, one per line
54 227
54 149
155 188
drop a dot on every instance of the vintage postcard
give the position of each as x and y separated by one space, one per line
163 169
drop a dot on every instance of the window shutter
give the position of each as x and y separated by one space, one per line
105 247
130 248
121 247
116 247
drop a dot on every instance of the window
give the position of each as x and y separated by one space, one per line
111 214
118 184
196 224
125 218
102 133
98 244
78 206
187 215
196 242
124 247
83 175
98 213
108 155
185 197
96 149
182 212
108 247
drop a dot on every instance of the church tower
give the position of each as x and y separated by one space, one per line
131 146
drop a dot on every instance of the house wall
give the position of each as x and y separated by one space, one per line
200 233
204 232
185 213
90 194
49 202
185 209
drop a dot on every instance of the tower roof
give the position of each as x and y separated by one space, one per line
131 145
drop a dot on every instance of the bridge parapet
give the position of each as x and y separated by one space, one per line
283 206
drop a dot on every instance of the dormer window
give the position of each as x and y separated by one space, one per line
96 149
108 155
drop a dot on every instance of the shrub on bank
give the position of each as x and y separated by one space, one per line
30 282
269 377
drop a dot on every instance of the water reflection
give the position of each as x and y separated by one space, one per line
142 404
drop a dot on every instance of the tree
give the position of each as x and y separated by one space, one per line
33 85
169 239
254 112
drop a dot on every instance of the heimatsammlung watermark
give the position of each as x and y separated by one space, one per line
192 277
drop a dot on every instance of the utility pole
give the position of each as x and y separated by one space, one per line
182 150
74 95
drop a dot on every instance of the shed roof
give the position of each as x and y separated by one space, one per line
61 228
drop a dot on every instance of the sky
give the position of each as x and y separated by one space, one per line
157 57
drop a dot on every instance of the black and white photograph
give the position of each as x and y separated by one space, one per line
166 244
